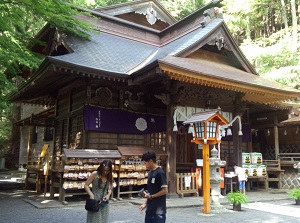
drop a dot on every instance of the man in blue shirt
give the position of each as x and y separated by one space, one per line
157 189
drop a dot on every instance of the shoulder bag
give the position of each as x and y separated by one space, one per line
93 205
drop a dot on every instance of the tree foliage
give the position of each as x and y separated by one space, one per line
96 3
20 22
260 27
182 8
251 19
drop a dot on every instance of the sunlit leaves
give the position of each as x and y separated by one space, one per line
182 8
20 22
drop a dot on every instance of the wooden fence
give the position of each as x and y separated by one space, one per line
186 183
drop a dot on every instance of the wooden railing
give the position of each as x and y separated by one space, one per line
289 159
186 183
274 172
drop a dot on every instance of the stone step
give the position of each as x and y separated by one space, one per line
19 174
12 179
5 176
10 185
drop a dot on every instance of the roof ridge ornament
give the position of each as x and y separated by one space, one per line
210 14
151 15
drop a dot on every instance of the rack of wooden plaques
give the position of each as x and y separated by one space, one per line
132 173
71 170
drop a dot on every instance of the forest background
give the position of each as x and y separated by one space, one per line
265 30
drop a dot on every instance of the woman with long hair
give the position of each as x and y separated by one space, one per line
101 181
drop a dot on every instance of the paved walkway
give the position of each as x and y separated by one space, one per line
41 201
284 209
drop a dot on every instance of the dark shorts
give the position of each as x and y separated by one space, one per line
155 218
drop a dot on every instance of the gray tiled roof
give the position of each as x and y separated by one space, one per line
115 54
186 41
106 52
196 36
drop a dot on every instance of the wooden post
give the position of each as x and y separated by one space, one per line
29 145
46 170
206 179
276 137
53 156
29 154
171 151
236 143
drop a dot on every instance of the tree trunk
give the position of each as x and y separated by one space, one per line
294 22
286 26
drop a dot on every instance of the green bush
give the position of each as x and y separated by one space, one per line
295 193
237 198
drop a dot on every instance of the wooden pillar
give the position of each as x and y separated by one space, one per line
53 156
276 137
29 145
29 153
171 151
237 139
237 148
15 144
206 179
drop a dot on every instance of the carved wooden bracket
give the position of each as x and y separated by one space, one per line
103 96
134 101
165 98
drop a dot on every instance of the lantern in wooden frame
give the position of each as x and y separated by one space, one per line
206 131
207 126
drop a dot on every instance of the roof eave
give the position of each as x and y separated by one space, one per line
253 93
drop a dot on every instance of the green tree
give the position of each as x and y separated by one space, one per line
182 8
20 22
96 3
267 33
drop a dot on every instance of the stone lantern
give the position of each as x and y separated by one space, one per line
215 180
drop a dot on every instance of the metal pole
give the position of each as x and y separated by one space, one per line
206 179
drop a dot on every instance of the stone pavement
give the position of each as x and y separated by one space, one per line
41 201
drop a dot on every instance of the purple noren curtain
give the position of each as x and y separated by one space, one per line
246 137
120 121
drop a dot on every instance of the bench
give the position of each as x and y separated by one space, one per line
274 171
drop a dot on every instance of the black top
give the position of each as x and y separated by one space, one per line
156 180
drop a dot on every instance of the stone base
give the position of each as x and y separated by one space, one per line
217 209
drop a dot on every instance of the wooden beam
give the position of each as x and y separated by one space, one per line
253 93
